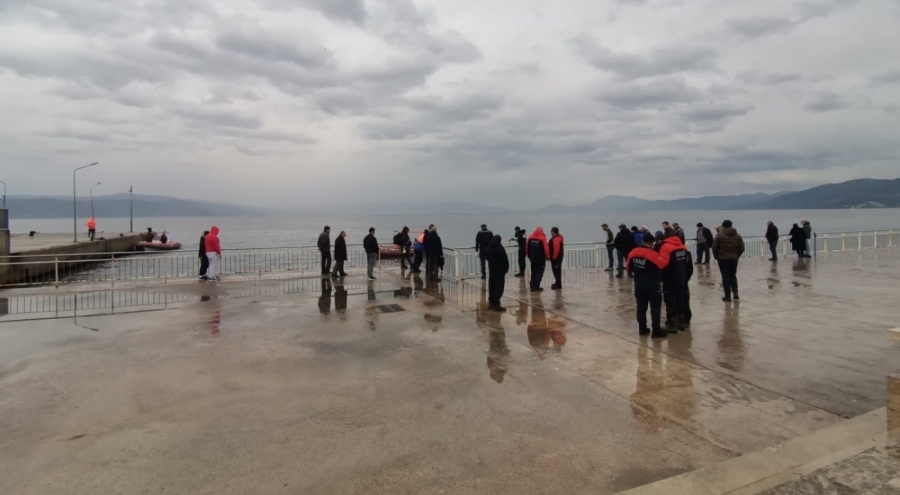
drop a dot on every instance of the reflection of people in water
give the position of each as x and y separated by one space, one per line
418 283
215 315
732 351
498 352
522 313
434 321
325 297
541 332
340 299
371 311
664 388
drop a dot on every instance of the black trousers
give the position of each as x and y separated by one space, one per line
338 268
482 255
556 268
496 284
728 268
687 304
610 249
537 273
622 258
204 264
674 297
326 262
521 261
91 233
417 260
653 299
432 268
773 247
701 250
405 258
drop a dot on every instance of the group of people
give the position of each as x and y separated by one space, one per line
800 239
210 254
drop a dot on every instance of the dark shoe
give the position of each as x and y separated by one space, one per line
736 297
644 331
773 259
670 330
698 263
372 278
499 309
537 290
556 287
608 270
618 275
483 276
519 275
659 335
679 322
726 299
669 324
343 274
687 326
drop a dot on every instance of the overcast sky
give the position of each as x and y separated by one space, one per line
500 102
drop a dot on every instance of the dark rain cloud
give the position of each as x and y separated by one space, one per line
658 62
827 101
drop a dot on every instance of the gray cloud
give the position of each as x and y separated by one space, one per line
658 62
826 101
768 78
886 78
754 27
655 94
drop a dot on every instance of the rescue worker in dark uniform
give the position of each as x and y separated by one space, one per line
557 250
674 279
538 252
646 265
498 264
520 240
482 242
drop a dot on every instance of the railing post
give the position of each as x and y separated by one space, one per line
456 265
859 241
843 242
56 269
113 270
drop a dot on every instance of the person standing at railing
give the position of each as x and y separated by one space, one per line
370 244
324 245
624 242
798 240
434 252
728 247
340 255
538 252
401 240
807 230
418 252
201 253
520 241
772 238
704 241
498 263
482 243
213 253
610 246
557 250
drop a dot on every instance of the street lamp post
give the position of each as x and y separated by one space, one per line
92 198
131 210
74 203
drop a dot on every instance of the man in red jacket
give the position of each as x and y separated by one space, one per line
647 265
557 249
538 251
214 253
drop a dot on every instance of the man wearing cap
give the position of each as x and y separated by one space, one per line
482 243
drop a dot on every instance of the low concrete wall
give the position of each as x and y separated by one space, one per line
41 261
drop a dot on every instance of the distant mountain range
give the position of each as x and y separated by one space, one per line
860 193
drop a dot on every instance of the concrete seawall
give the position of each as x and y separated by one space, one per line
40 261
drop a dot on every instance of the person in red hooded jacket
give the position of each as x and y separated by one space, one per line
538 251
214 253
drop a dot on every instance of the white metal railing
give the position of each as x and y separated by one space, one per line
459 263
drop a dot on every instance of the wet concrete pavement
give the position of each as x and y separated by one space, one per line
309 386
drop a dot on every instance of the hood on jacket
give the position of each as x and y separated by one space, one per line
214 230
539 232
729 232
674 241
496 241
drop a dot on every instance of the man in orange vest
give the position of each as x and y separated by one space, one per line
92 227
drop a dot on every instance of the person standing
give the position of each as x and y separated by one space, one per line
704 241
498 264
798 240
434 251
728 247
370 244
674 279
520 241
92 227
610 246
204 261
646 265
213 253
482 242
324 245
340 255
772 238
401 240
624 242
538 252
557 250
418 252
807 230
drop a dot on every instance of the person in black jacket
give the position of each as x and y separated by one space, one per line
498 262
798 240
204 261
434 252
688 314
324 245
624 242
704 243
482 242
401 240
647 265
370 244
520 240
772 237
340 255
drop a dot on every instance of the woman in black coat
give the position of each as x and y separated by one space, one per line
340 255
798 240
